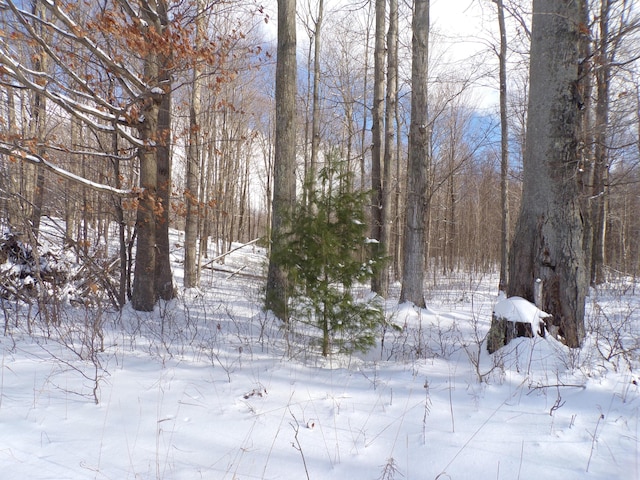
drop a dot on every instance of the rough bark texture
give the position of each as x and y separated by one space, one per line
144 292
144 282
163 276
414 239
548 242
284 180
504 330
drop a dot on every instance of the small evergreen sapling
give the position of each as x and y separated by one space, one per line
323 254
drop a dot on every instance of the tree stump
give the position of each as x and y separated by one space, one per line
512 318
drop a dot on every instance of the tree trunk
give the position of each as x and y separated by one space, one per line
601 154
12 181
315 108
144 291
163 276
418 168
365 90
284 181
191 194
548 242
144 282
377 124
39 118
390 155
504 154
122 228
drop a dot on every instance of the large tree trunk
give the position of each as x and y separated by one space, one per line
163 276
144 291
548 242
418 168
284 181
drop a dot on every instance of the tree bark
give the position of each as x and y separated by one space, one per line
601 154
39 118
377 144
504 153
418 168
548 243
144 291
191 194
163 276
390 154
145 288
315 108
284 181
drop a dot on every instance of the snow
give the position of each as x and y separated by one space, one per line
221 393
519 310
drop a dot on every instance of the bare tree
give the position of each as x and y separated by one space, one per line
504 152
90 52
284 182
191 193
390 153
548 243
418 168
377 133
617 22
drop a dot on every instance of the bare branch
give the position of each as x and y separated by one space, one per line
22 154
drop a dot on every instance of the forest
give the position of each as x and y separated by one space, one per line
125 119
354 186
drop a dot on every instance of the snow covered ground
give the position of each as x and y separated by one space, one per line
210 387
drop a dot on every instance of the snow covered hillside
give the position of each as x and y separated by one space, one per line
211 387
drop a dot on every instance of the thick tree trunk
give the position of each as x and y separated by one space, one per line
144 291
418 168
548 242
284 180
163 276
144 285
152 277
